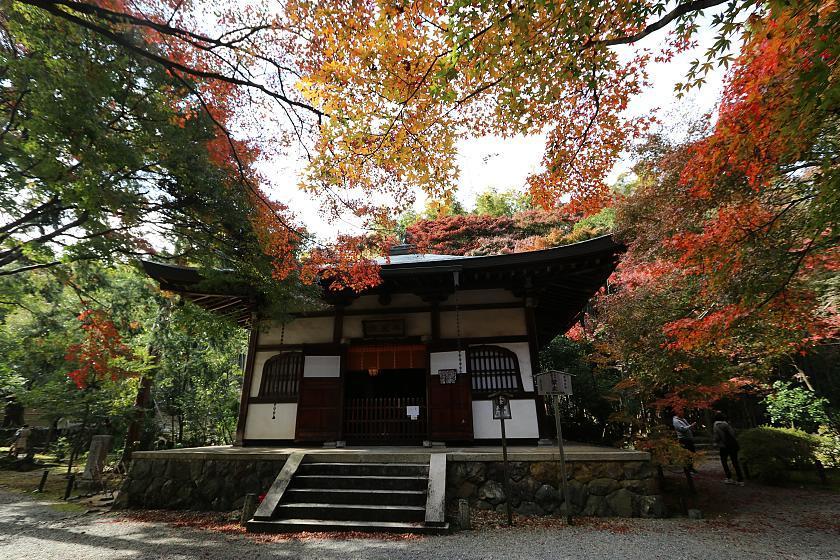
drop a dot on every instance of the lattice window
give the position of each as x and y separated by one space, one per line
281 376
493 368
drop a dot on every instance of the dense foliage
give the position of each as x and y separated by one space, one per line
771 453
796 407
75 357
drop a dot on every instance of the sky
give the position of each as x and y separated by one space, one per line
497 163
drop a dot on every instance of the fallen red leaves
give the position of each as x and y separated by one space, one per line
216 522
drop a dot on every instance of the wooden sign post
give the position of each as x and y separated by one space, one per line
501 412
552 384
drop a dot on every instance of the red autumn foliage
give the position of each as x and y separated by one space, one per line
473 234
703 397
96 353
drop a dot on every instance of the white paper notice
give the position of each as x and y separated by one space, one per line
412 411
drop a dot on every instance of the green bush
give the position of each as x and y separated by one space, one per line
771 453
828 451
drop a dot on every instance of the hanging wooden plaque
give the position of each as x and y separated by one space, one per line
383 328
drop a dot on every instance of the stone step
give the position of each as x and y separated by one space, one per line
356 496
359 482
297 525
365 469
349 512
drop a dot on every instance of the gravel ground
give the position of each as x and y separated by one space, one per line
766 523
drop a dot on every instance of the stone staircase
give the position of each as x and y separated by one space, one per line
354 496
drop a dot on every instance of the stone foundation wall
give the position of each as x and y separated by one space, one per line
197 484
602 489
596 488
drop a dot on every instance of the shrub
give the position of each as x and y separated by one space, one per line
665 450
829 447
771 453
797 407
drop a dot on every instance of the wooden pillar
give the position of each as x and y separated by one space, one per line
544 424
246 382
435 320
338 324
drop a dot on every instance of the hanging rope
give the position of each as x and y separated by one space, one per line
456 278
282 341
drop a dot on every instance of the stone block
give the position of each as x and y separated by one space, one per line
545 472
596 506
582 472
622 504
524 489
196 468
481 504
220 504
529 508
465 490
495 471
608 469
637 469
492 492
250 484
519 470
602 486
140 468
547 496
651 506
647 487
209 487
159 467
178 469
151 495
578 493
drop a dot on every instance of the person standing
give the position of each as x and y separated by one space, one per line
728 446
685 436
684 433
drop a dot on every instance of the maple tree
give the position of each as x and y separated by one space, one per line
99 353
733 235
376 95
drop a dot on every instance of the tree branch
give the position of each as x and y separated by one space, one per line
680 10
119 39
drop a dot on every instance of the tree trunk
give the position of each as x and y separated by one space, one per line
143 399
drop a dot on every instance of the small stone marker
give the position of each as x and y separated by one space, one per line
464 514
249 508
695 514
99 448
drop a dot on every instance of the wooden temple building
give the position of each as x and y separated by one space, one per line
414 360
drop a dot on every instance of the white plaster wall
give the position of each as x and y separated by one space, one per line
446 360
484 322
310 330
523 422
416 324
260 425
322 366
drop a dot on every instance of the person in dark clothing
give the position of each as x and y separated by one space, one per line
685 436
728 446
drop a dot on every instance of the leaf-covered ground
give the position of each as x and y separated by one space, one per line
797 521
